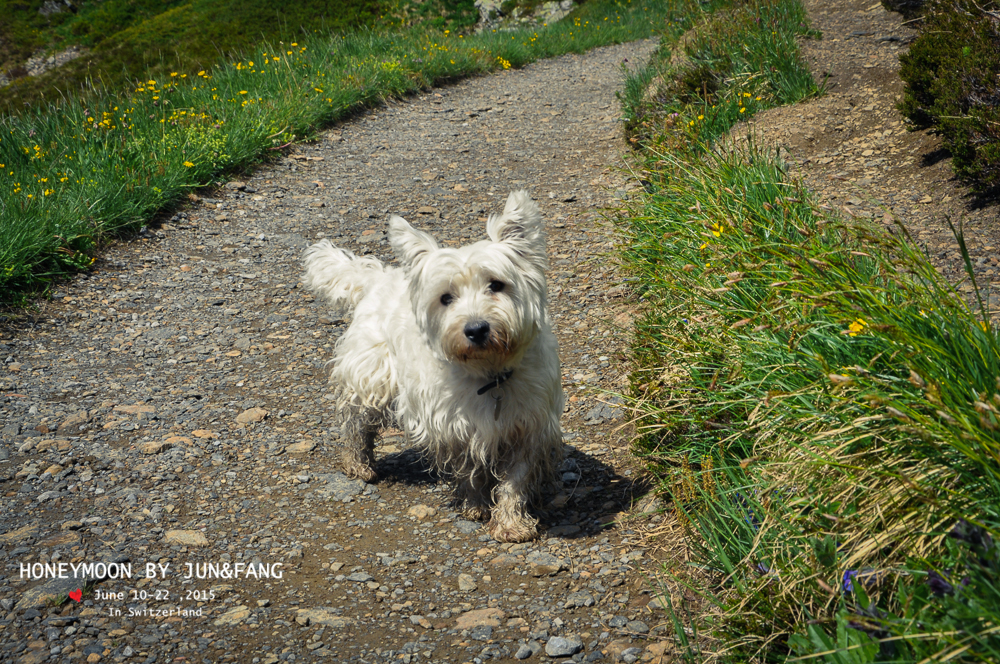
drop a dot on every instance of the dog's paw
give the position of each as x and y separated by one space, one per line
518 531
476 512
358 471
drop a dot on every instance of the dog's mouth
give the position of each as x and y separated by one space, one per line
494 347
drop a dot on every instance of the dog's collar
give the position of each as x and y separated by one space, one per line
497 381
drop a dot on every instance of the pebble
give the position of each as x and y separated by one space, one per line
563 646
524 651
185 537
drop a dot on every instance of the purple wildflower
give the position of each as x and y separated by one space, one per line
939 586
848 582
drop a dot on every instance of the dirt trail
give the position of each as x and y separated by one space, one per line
172 408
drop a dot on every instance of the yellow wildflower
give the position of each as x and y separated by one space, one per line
856 327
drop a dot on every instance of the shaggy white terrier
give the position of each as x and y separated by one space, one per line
456 348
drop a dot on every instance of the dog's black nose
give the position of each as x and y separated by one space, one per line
477 332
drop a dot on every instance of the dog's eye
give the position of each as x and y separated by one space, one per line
497 286
447 299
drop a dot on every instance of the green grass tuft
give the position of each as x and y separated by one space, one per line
734 60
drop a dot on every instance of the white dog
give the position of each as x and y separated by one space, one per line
456 348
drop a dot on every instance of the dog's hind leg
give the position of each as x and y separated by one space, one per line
359 432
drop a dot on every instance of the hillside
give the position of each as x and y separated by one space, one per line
105 43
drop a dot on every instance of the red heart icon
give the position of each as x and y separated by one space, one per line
76 595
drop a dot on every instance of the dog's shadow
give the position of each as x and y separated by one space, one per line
573 508
408 466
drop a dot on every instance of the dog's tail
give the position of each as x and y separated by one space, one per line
338 275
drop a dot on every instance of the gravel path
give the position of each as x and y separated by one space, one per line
171 409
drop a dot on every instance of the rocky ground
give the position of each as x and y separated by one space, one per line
171 408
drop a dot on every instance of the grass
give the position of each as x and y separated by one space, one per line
819 404
128 40
75 173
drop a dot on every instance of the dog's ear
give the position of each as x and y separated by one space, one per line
409 243
520 224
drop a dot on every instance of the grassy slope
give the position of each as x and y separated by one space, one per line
138 39
821 407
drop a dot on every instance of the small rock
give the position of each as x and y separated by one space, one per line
524 652
466 527
185 537
233 616
154 447
659 602
470 619
658 650
466 582
74 423
481 632
320 617
580 598
421 512
615 649
637 627
304 447
544 570
251 415
136 409
630 655
563 646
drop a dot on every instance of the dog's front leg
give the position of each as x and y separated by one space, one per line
359 431
511 521
474 494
